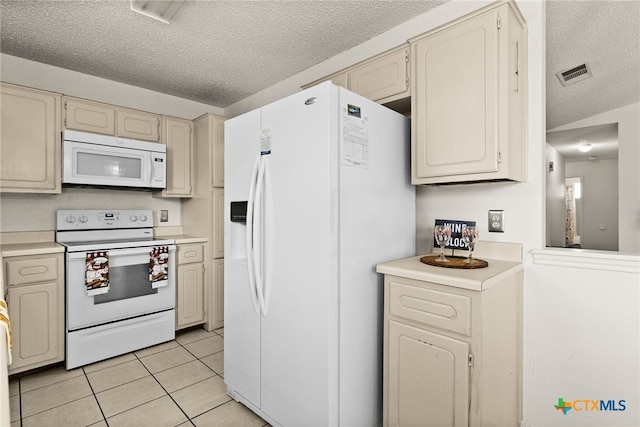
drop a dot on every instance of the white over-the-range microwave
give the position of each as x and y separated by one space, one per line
103 160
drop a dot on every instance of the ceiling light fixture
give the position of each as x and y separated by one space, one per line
162 10
585 148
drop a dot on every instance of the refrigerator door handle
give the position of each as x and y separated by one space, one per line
249 240
258 262
269 234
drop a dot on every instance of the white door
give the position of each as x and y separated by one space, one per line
299 332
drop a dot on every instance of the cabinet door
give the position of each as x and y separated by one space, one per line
382 77
217 243
427 378
176 135
89 116
34 313
190 295
136 124
455 99
218 152
29 141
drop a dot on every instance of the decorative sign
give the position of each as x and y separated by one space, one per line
456 233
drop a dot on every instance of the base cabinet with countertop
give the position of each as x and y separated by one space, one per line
190 285
35 297
452 344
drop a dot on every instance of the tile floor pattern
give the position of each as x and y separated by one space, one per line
178 383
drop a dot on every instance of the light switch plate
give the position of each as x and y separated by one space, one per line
496 221
164 215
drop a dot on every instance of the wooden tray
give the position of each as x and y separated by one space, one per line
454 262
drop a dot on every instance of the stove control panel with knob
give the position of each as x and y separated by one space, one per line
103 219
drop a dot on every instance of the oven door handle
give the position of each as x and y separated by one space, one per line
119 252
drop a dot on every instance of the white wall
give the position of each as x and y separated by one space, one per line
23 212
628 119
599 202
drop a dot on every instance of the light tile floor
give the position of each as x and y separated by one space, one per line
178 383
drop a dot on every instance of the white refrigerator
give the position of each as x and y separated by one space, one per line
317 192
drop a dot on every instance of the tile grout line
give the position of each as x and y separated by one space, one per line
104 418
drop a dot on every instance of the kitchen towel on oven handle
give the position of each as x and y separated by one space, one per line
159 267
6 324
97 273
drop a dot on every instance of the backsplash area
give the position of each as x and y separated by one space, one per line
37 212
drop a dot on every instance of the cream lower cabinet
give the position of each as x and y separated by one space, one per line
468 99
35 297
452 356
30 146
190 285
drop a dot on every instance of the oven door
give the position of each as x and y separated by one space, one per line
130 291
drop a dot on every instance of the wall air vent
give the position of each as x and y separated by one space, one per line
574 74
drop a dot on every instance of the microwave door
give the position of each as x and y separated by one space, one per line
102 165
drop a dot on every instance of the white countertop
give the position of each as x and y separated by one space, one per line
478 279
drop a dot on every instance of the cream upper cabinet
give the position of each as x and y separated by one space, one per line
97 117
468 99
452 344
89 116
35 297
176 135
136 124
383 78
29 140
203 212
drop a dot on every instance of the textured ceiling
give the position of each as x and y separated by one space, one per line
214 52
606 34
219 52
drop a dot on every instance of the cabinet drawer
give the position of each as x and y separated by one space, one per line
32 270
442 310
190 253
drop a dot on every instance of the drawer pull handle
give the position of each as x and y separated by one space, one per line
431 308
33 270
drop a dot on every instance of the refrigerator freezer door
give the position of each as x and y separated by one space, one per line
299 332
242 320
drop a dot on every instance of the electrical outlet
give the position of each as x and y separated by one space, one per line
496 221
164 216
